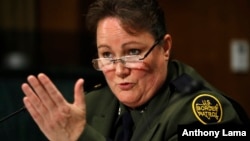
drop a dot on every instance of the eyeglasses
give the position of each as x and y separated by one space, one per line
130 61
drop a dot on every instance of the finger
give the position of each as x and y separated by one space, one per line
41 92
33 112
51 89
37 117
36 102
79 94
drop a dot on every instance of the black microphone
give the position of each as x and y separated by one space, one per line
12 114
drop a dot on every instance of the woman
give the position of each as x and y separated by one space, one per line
133 48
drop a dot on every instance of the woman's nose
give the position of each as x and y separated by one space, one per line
121 70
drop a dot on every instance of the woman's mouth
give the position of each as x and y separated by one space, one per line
126 86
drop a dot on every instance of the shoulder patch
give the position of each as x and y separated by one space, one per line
207 108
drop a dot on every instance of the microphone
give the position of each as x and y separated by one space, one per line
13 114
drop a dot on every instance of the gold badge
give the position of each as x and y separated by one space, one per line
207 108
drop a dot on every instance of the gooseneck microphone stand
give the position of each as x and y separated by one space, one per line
13 114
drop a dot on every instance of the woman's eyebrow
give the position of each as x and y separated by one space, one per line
124 45
104 45
133 43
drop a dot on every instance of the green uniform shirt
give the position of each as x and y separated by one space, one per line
185 98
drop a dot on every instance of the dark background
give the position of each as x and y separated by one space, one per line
51 36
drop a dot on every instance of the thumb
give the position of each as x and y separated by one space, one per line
79 97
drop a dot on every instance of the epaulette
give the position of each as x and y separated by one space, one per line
96 86
185 84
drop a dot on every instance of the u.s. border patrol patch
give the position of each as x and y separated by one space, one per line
207 108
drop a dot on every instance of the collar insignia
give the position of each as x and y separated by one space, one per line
207 109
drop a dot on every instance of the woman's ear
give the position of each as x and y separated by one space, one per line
167 46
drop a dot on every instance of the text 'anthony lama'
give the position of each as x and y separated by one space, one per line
215 134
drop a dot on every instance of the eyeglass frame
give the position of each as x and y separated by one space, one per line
121 58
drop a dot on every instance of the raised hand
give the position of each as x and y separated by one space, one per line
58 119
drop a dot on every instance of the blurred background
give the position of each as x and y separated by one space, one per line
50 36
